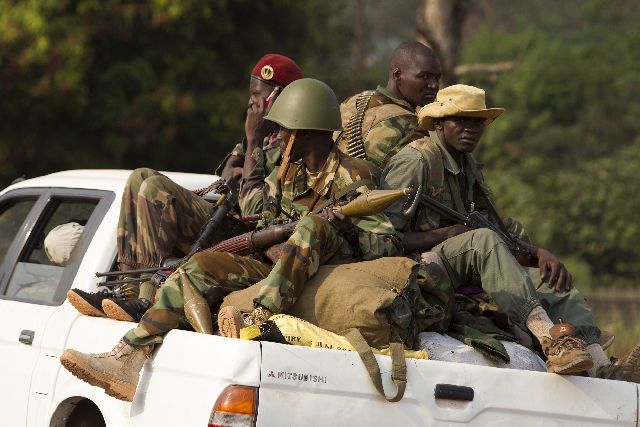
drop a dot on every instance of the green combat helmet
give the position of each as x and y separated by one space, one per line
306 104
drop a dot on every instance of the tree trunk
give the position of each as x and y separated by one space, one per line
440 23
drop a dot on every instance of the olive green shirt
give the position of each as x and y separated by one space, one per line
427 164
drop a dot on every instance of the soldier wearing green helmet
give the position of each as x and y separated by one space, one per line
313 175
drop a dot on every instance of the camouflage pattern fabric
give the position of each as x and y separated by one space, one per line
214 274
313 242
301 192
387 122
417 164
267 160
158 218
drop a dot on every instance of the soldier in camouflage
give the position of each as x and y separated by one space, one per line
444 168
160 219
313 176
378 123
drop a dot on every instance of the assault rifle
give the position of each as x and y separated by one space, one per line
228 192
475 219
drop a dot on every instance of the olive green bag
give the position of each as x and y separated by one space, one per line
387 302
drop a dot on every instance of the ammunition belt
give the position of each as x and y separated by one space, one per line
353 129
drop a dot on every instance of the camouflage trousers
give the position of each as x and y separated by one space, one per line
216 274
158 218
479 258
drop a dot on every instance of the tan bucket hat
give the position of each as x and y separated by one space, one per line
457 100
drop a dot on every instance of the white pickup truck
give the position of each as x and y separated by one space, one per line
199 380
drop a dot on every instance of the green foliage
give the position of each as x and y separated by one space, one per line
115 83
564 156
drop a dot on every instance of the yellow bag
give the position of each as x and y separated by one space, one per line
300 332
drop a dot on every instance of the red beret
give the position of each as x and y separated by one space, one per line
276 69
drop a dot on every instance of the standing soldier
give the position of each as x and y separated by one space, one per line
442 166
312 176
160 219
377 123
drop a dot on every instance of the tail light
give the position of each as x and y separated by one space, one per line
237 406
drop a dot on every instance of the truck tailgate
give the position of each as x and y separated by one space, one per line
307 386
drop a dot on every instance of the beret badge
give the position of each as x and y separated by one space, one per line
266 72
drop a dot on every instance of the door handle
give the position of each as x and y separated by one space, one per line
453 392
26 336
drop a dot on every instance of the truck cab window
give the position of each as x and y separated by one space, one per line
11 218
50 250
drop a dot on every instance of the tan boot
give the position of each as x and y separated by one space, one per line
625 369
231 320
566 355
117 372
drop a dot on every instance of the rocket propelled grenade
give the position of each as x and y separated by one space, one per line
372 202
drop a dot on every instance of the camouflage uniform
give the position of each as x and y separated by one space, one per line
314 242
158 218
267 159
387 124
426 162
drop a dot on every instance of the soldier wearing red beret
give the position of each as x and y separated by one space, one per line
269 76
170 218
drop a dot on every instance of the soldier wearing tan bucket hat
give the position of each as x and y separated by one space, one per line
442 166
459 101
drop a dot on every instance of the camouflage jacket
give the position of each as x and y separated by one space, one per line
387 123
427 163
302 192
267 159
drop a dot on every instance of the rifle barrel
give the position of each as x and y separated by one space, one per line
123 281
125 272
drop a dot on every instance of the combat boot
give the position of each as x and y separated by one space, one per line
117 372
231 320
90 304
130 310
625 369
566 355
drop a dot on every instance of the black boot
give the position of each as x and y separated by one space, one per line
127 310
90 304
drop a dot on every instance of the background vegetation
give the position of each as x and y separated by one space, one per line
162 83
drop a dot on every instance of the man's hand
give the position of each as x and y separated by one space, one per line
553 272
254 124
338 220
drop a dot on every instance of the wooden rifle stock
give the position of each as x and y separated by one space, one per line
256 241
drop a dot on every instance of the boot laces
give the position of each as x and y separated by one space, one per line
567 343
259 315
124 292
